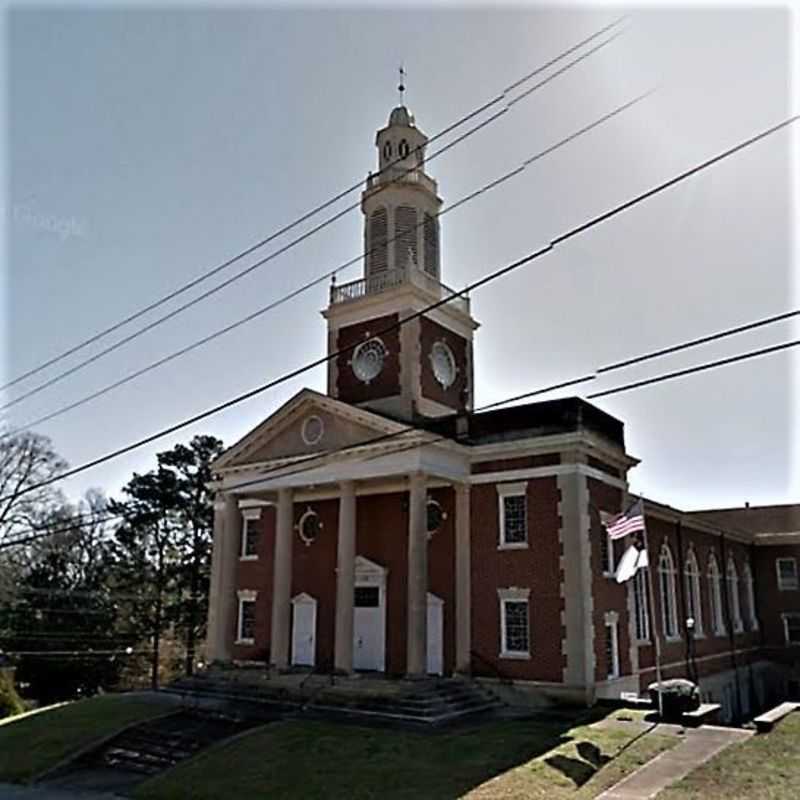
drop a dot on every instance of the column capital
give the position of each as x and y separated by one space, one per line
348 485
462 488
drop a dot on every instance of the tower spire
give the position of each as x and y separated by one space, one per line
402 85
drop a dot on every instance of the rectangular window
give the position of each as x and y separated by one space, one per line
513 520
249 539
787 574
612 651
791 628
247 621
515 628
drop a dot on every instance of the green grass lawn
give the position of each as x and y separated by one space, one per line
33 742
509 759
764 767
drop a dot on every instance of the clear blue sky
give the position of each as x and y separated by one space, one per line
145 146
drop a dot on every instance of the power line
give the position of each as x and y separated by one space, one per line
300 465
564 237
330 220
316 281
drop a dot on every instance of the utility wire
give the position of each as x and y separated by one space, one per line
564 237
302 464
330 220
316 281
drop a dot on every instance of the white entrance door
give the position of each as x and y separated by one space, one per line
369 616
304 629
435 635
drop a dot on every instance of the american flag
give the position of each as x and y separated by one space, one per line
627 522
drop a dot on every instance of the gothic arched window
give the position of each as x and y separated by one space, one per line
715 596
750 598
733 591
694 608
378 235
666 584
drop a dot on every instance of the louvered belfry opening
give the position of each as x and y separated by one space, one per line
431 243
378 236
405 231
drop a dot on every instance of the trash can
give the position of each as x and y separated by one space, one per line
678 696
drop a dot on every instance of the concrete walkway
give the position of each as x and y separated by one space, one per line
699 746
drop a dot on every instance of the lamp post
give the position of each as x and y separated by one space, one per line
690 623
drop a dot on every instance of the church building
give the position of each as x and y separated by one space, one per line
387 527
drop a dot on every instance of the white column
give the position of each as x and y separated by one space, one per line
222 604
345 578
463 580
282 582
417 639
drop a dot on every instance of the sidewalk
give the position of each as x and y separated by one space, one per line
698 746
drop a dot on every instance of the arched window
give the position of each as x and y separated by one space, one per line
666 584
405 236
641 605
694 606
750 598
733 593
378 235
715 596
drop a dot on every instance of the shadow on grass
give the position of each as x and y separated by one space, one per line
312 760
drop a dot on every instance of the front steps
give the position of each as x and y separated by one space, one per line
428 702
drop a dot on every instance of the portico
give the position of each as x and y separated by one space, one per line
407 467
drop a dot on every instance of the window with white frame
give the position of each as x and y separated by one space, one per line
733 592
513 511
612 644
641 605
514 623
694 606
607 558
791 628
666 585
246 624
750 598
787 574
715 596
250 532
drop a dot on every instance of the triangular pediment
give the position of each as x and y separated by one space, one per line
308 423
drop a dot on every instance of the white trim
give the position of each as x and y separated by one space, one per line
252 502
611 620
244 596
243 554
715 579
750 594
609 567
785 616
514 594
310 440
505 491
548 472
669 609
306 600
693 590
791 586
732 576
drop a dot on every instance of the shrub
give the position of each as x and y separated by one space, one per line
10 703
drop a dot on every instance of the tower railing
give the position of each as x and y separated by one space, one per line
384 280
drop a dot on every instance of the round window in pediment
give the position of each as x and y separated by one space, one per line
313 430
368 360
309 527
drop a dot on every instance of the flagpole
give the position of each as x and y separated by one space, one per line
652 615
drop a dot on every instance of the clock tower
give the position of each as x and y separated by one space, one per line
422 368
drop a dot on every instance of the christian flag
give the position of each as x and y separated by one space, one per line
629 521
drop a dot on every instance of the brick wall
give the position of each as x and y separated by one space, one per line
454 396
387 384
536 568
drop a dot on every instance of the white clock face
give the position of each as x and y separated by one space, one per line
368 360
443 363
